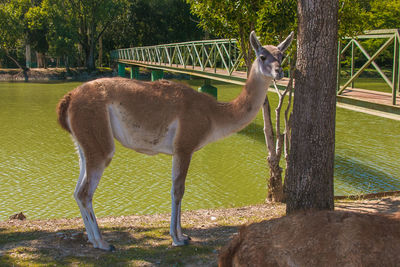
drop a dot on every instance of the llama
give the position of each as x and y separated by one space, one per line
157 117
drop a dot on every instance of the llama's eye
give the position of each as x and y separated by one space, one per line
262 57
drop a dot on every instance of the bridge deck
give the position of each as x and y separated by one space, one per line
371 96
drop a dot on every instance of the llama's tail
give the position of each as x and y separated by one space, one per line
62 109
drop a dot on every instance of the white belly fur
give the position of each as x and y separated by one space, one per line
133 136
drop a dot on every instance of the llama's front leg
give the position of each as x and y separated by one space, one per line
180 166
181 236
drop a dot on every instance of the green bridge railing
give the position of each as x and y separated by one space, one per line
390 36
223 58
222 54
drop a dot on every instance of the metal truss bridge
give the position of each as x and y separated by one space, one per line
222 60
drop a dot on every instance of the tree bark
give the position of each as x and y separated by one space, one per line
90 58
28 57
39 60
101 51
311 159
66 61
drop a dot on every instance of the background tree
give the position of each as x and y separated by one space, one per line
12 28
276 19
170 21
36 28
352 17
62 36
309 183
88 20
63 28
23 23
229 19
384 14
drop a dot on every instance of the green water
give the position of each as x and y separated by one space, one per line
39 165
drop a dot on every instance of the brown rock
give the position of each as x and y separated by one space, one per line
18 216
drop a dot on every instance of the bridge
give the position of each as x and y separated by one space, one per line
222 60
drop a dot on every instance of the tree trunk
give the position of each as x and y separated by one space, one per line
90 58
101 51
44 60
90 65
28 57
40 58
311 159
66 61
80 53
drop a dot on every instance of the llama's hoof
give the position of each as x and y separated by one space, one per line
185 237
180 243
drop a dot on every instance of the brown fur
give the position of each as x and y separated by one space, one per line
154 106
324 238
62 109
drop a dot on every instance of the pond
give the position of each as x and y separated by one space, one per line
39 165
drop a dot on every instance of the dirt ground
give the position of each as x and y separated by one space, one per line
386 205
144 240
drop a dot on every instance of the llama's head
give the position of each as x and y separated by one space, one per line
269 57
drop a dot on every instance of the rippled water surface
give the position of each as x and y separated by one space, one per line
39 165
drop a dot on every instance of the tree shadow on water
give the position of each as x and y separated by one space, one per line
356 175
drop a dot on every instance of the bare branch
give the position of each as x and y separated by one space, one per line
268 129
14 60
278 120
277 90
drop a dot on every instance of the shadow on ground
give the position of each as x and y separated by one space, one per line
382 205
141 246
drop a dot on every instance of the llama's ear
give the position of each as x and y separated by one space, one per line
254 42
286 43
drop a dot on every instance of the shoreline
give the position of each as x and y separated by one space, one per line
337 199
74 74
53 74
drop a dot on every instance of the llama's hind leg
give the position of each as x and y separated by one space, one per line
82 164
92 131
84 197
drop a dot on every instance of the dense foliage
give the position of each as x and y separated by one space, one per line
82 33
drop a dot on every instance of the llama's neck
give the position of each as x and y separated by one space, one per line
238 113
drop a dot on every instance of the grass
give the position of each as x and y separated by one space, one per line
140 240
376 84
